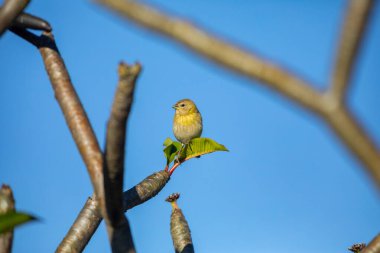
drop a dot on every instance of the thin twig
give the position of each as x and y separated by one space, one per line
247 64
117 224
176 165
350 39
9 11
373 246
173 168
7 204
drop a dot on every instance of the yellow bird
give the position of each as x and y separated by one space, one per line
187 123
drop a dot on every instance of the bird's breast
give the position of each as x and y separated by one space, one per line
187 120
187 127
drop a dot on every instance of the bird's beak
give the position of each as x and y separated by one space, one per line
174 107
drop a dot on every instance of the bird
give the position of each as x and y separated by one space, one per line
187 123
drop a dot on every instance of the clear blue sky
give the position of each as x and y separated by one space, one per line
287 184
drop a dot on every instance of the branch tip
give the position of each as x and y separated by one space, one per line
126 70
357 247
28 21
173 197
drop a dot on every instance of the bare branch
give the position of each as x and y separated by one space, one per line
28 21
351 37
179 228
89 218
88 146
74 113
219 51
72 109
249 65
7 204
373 246
116 138
117 224
354 137
9 11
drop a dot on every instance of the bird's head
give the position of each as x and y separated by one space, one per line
185 107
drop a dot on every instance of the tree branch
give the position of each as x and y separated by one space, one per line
116 138
71 106
354 137
75 116
9 11
74 113
218 51
249 65
80 127
179 228
351 37
89 218
117 224
7 204
373 246
28 21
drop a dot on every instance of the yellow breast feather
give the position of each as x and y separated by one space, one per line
186 120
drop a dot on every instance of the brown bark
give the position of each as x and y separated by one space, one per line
9 11
118 228
179 228
89 218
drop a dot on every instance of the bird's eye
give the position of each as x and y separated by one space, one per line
182 105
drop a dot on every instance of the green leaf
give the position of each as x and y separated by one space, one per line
201 146
12 219
171 151
196 147
167 142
